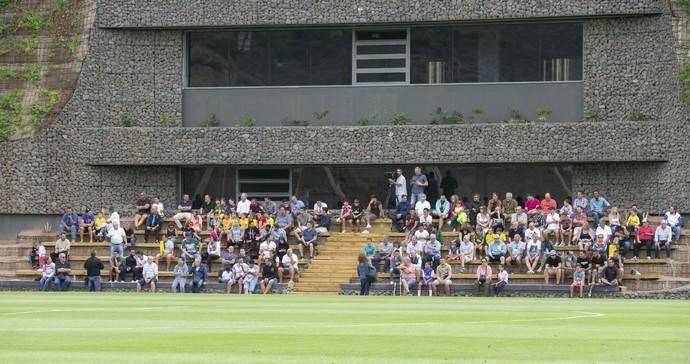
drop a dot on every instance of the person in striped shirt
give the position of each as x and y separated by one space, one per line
149 274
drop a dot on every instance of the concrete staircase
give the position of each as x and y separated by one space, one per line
334 264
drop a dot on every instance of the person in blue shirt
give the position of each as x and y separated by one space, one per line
497 250
153 225
199 275
307 239
86 224
427 280
442 210
401 212
70 221
597 206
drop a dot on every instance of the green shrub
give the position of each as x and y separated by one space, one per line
211 121
398 119
321 117
543 115
592 115
439 116
167 119
35 22
247 123
516 118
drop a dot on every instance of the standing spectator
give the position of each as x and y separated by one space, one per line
153 225
502 281
442 210
675 222
553 266
130 266
578 281
142 209
374 210
432 189
483 282
93 267
400 184
251 277
86 225
115 264
662 239
118 238
307 239
365 270
184 211
408 273
199 275
62 246
62 270
449 184
418 182
47 274
581 201
645 237
509 205
295 205
180 276
149 275
270 206
289 265
268 276
69 222
38 255
444 276
598 206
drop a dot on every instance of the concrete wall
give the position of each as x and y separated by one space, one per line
272 105
209 13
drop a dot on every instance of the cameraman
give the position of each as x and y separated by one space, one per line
400 184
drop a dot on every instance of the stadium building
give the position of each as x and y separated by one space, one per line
213 97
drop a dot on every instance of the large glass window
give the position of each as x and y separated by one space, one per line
448 54
270 58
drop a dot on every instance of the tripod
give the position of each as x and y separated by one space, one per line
387 204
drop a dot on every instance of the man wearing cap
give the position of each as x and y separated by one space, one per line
149 274
497 250
553 266
86 224
61 280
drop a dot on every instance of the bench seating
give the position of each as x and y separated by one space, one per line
383 277
530 290
210 287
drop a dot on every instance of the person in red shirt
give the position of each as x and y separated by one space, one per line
531 204
547 204
645 237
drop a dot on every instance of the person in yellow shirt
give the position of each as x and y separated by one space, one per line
244 221
633 219
269 219
497 231
98 224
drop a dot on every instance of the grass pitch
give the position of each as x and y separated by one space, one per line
165 328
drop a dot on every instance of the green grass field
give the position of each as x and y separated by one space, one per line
127 327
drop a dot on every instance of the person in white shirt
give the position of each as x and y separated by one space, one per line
158 205
212 252
467 251
605 230
422 236
227 277
502 280
400 184
288 265
47 274
553 221
425 218
411 245
422 204
662 239
675 222
319 207
118 238
532 233
243 205
267 249
239 270
251 278
533 254
149 275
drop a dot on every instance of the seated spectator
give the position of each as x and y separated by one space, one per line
442 211
675 221
483 221
459 217
303 218
154 223
159 206
585 264
443 276
515 229
356 216
494 233
129 267
645 236
565 235
115 265
408 273
432 252
548 204
190 248
533 254
374 210
284 220
307 239
62 246
396 260
569 262
516 251
323 222
578 281
239 270
608 277
130 238
385 252
467 250
520 217
584 237
509 205
498 219
553 266
149 275
598 206
61 279
268 276
370 251
227 278
605 231
255 207
493 202
600 246
288 265
86 225
295 205
93 267
251 278
425 219
142 209
168 251
267 250
422 204
412 222
480 243
236 235
281 249
454 250
663 236
427 279
547 246
184 211
597 261
69 222
100 226
38 255
199 275
401 213
502 280
633 220
196 223
366 273
212 251
483 282
47 275
532 205
497 250
553 223
567 208
180 272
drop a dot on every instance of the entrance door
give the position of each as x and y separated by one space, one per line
275 183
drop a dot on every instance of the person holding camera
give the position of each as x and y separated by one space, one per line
483 283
